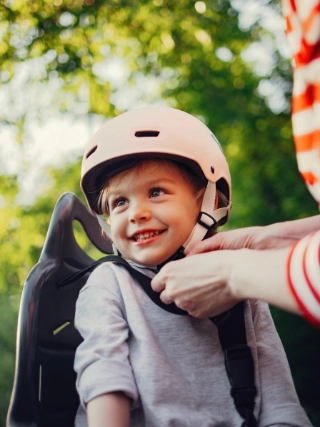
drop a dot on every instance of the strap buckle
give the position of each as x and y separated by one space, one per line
204 221
240 370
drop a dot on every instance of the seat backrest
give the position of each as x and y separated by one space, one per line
44 393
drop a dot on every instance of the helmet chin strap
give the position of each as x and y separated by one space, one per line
206 219
107 229
104 225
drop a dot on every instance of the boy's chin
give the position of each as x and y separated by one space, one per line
150 257
149 263
153 261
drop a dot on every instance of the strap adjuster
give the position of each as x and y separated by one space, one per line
204 221
240 370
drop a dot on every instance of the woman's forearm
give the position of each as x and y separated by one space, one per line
286 233
109 410
262 275
273 236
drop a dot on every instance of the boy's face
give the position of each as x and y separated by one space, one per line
152 212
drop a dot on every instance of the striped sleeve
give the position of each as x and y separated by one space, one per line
303 33
303 272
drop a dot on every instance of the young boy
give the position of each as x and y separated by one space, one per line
161 180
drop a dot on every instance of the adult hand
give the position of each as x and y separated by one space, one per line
198 284
207 284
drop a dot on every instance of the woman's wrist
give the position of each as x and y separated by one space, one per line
237 274
283 234
262 275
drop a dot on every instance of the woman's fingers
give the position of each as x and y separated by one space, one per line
195 284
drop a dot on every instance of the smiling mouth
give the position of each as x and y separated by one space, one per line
144 236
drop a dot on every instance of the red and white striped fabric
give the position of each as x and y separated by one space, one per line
303 276
303 32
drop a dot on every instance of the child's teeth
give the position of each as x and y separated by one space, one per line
140 237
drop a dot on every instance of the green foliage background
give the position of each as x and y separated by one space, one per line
176 45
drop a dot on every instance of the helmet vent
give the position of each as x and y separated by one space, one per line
91 151
146 133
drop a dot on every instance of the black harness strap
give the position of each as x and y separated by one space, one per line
140 277
75 276
232 335
238 360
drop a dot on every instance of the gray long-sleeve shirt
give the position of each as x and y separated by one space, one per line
171 366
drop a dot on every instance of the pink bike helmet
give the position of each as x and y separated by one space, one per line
158 132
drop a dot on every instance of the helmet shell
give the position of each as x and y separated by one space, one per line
152 132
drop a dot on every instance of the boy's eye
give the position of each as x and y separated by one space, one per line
155 192
119 202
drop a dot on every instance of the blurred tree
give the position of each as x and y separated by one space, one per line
97 52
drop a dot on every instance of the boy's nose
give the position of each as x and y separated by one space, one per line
139 213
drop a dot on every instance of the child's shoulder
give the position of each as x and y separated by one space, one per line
255 306
258 313
103 288
106 276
